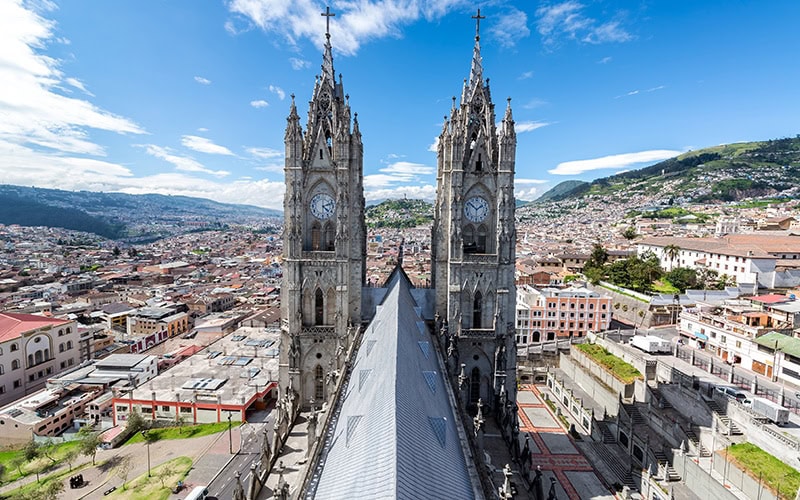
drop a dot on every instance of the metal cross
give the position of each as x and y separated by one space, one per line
478 18
328 15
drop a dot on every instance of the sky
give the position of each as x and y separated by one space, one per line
190 98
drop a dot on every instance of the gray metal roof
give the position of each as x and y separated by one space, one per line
395 436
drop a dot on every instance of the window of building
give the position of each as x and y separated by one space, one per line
477 310
319 383
14 347
319 307
17 383
2 370
591 306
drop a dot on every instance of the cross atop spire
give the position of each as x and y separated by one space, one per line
328 15
477 18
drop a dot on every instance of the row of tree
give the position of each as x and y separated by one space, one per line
640 273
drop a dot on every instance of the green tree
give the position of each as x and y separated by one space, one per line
682 278
136 422
629 233
89 441
672 252
598 257
116 251
165 471
70 456
31 451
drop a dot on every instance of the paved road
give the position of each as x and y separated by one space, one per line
225 482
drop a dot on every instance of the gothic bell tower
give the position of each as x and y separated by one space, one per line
474 240
324 239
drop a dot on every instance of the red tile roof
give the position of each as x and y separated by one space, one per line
770 299
13 325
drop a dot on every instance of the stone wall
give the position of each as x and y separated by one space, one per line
700 482
751 487
603 394
627 309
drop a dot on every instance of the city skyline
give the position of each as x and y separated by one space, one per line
191 99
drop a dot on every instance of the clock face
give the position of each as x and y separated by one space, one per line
322 206
476 209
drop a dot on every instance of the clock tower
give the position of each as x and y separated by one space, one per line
474 240
324 244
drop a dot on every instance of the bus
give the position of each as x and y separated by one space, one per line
199 493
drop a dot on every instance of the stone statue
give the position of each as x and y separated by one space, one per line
312 428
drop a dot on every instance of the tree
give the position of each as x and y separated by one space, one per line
629 233
672 252
89 441
136 422
47 449
682 278
165 471
31 450
116 251
70 456
598 257
17 462
51 489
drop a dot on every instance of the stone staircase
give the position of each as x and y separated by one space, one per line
610 460
663 463
636 416
608 436
723 417
663 403
695 440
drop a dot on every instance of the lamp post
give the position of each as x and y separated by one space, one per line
147 443
230 436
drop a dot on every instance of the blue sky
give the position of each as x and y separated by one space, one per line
189 97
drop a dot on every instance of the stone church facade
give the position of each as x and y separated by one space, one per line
325 306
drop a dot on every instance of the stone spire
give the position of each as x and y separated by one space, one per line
327 57
476 73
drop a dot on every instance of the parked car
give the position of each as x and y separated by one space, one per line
732 392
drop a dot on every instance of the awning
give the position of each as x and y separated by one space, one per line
693 335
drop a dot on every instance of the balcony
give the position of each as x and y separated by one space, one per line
318 255
478 333
318 331
480 258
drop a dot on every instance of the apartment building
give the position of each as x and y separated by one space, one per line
769 260
550 313
33 348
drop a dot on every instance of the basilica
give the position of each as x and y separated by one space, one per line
393 384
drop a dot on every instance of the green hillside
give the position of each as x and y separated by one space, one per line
561 191
723 173
399 214
16 210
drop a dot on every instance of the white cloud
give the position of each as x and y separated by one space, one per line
260 103
78 85
401 172
202 129
25 166
202 81
528 194
420 192
298 64
203 145
568 20
265 152
535 103
635 92
275 168
355 22
528 126
277 91
525 182
32 113
434 147
511 28
183 163
619 161
605 60
525 76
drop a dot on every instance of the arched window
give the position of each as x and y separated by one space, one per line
37 357
2 370
69 345
551 335
319 308
536 337
14 347
15 364
61 347
479 163
328 239
477 310
316 237
469 239
475 385
30 360
319 383
480 241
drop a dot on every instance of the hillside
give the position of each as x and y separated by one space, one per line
399 214
134 218
730 172
560 191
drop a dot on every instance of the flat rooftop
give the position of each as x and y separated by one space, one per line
230 370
